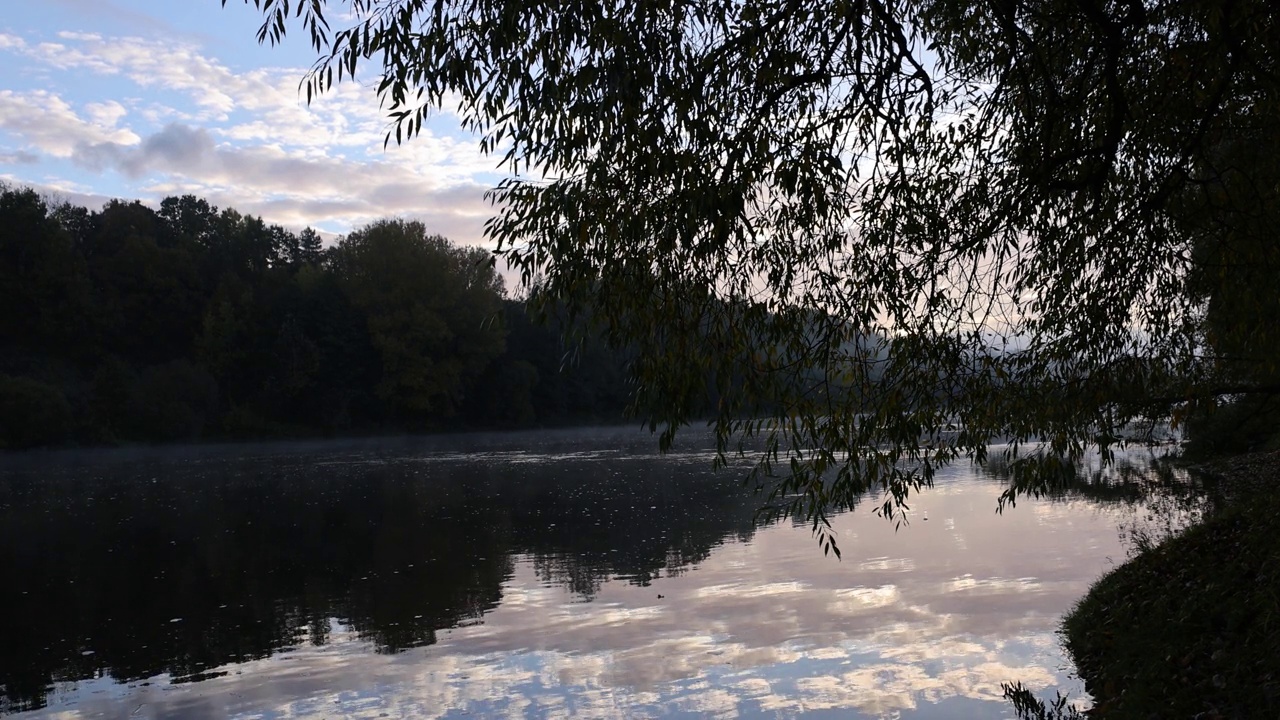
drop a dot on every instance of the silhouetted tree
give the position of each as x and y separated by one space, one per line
431 309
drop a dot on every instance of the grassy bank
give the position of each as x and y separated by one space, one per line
1192 627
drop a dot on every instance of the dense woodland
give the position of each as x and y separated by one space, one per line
136 325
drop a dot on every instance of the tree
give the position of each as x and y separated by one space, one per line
305 248
973 220
432 310
32 414
44 283
191 218
149 287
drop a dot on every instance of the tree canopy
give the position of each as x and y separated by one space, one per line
426 299
131 325
884 234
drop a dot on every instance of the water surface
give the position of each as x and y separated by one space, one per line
526 576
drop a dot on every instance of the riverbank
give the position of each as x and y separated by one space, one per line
1191 627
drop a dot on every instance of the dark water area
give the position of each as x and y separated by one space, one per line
529 575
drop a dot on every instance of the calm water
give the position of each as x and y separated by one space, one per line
520 576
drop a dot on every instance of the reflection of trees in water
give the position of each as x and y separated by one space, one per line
1161 496
139 570
195 571
629 519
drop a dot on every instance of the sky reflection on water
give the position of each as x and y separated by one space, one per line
601 583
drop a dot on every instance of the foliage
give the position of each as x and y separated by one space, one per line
1251 422
431 308
865 223
174 401
1030 707
1218 585
130 324
149 289
44 284
32 413
579 379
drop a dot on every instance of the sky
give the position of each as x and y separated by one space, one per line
144 99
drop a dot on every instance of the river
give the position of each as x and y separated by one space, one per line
533 575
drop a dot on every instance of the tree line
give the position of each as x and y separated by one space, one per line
131 324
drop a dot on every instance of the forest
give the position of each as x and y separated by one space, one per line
188 323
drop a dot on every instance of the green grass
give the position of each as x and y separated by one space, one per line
1191 627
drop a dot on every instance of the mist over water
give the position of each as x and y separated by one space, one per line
521 575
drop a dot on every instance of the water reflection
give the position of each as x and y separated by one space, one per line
571 580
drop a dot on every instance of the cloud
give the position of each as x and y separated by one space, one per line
18 157
60 191
242 139
765 627
105 114
885 689
290 188
266 101
12 42
281 187
176 146
108 11
48 123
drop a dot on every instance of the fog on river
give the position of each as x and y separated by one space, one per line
537 575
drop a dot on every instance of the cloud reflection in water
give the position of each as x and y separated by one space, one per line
925 621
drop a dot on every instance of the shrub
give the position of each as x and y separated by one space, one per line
32 413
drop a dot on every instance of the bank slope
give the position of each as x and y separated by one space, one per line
1193 625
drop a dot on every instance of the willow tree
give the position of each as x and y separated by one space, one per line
883 233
